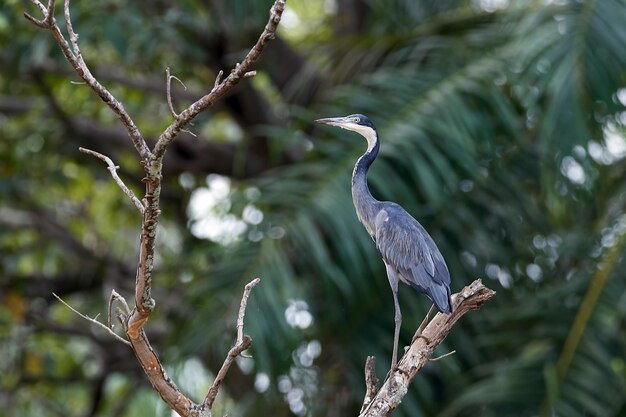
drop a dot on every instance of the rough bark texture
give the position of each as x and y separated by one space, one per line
396 385
134 319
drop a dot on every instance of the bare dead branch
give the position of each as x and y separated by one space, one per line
371 381
144 304
225 86
93 320
113 170
232 355
168 390
396 385
74 57
242 307
242 343
162 383
134 320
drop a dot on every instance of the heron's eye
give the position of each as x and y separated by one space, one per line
356 120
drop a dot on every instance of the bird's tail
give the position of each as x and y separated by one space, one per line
440 294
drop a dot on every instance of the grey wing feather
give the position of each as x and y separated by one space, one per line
408 248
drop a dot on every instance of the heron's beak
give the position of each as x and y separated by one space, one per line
333 121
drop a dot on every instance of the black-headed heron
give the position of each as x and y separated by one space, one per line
408 251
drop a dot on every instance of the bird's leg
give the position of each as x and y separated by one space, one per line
393 281
418 333
396 332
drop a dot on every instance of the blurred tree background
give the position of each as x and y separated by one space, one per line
503 127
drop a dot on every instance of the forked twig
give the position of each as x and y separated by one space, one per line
170 105
113 170
47 21
168 84
93 320
152 161
72 53
112 299
445 355
220 88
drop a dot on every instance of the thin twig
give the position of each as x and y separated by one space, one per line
41 6
72 53
242 307
242 343
94 321
113 169
168 84
168 90
189 132
445 355
222 87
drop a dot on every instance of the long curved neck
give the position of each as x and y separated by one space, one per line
364 202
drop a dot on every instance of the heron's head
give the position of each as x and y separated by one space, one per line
357 123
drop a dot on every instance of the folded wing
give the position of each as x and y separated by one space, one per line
408 248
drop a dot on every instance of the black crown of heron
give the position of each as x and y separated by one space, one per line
409 253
